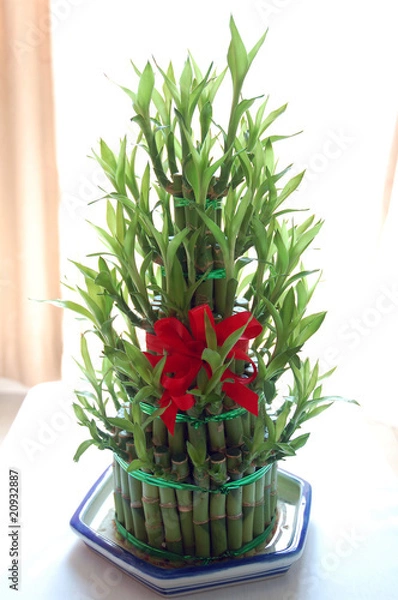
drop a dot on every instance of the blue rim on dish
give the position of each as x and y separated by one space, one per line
188 579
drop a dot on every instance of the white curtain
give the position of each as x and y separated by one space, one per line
30 332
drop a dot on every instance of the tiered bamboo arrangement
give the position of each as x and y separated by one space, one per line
202 258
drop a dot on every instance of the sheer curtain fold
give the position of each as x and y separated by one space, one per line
30 332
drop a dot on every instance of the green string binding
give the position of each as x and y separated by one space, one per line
188 557
169 483
148 409
181 202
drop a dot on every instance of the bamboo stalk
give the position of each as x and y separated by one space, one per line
180 467
267 497
246 425
121 488
128 517
137 510
248 506
234 431
201 521
135 490
159 433
203 263
196 433
220 285
168 506
216 435
153 517
258 523
179 213
234 501
219 539
176 442
117 494
274 487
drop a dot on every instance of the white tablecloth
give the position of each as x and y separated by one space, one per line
352 546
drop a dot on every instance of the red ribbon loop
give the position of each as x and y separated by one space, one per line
184 350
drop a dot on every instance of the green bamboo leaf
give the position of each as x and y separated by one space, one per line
107 155
80 414
136 464
87 272
161 106
174 245
205 118
186 82
299 441
314 412
94 308
140 442
270 427
308 326
90 371
239 111
123 424
145 88
288 309
271 118
111 217
70 305
216 231
254 51
169 83
212 357
281 420
231 340
237 59
290 187
82 448
197 93
120 175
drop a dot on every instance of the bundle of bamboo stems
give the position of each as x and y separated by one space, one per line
186 510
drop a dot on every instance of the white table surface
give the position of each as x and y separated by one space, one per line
352 545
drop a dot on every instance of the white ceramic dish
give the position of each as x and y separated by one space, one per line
92 521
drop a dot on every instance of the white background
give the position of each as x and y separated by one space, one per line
335 63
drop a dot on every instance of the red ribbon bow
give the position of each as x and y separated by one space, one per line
183 350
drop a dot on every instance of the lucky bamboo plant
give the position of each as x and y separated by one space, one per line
201 257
